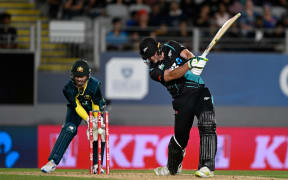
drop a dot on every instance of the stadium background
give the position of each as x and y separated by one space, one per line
247 75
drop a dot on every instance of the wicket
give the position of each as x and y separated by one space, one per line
90 127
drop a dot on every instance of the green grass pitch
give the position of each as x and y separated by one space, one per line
72 174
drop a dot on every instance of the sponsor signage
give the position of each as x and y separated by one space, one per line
76 155
235 79
146 147
283 80
126 78
18 147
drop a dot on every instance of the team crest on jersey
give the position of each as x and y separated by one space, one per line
80 69
87 97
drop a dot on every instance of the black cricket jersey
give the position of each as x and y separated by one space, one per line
172 60
91 93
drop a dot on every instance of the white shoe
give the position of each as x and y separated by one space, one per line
179 170
162 171
49 167
204 172
95 169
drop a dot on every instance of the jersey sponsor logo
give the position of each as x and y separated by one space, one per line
206 98
174 66
179 60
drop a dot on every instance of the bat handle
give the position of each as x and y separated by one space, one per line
204 54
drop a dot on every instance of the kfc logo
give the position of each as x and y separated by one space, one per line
270 151
144 146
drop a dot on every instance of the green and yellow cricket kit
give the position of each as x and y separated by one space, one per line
80 102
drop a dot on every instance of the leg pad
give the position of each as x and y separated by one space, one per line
208 139
175 156
65 137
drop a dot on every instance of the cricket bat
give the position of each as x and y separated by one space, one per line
220 33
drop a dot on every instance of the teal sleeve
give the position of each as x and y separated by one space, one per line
70 94
99 99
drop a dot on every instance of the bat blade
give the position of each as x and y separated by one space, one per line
220 33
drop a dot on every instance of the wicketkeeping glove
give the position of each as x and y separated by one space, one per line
97 130
197 64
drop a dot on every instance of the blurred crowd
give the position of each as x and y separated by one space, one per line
8 33
155 17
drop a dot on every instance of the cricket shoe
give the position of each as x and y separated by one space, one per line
95 169
162 171
204 172
49 167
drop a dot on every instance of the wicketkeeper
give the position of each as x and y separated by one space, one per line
176 68
83 94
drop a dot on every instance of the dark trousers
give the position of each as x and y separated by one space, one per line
68 131
192 103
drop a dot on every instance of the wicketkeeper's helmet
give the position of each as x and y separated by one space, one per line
148 47
80 68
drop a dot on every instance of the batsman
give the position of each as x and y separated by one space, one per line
83 94
176 68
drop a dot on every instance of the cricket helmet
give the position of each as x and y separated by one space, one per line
80 68
148 47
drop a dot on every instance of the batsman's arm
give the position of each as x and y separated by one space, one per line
180 71
176 73
186 54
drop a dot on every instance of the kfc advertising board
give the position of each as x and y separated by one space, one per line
135 147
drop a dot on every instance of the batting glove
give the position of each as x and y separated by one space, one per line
97 130
95 134
197 64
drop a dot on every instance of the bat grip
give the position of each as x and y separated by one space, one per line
204 54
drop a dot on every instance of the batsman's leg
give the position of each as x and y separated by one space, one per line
208 143
175 158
